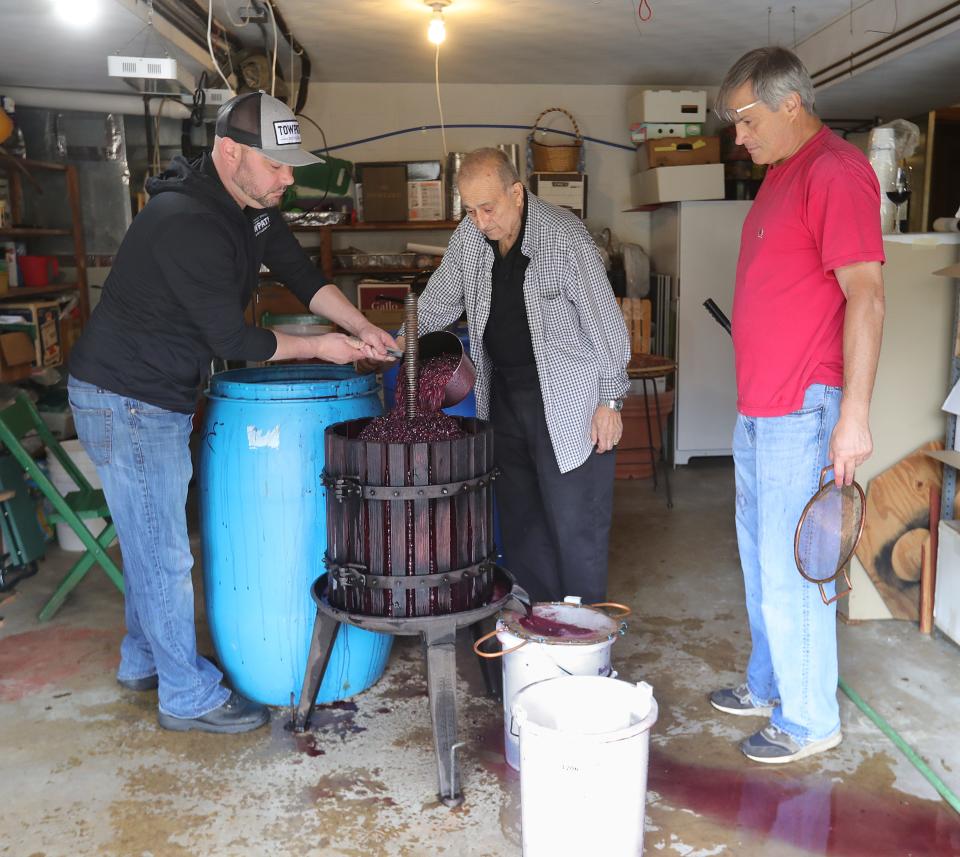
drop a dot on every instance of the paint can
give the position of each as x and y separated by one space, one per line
557 639
584 754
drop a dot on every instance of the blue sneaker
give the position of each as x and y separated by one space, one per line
737 700
773 746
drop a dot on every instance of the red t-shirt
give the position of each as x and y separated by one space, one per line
817 211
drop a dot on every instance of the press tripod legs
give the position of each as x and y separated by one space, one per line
321 645
442 689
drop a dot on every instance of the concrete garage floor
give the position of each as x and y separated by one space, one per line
84 769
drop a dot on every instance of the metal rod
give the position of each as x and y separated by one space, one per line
411 352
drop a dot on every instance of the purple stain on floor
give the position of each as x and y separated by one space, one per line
808 812
307 743
336 718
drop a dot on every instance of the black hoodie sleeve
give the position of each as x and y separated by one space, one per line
288 261
199 263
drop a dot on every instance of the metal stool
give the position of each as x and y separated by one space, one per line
648 368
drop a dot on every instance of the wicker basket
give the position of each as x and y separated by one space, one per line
559 157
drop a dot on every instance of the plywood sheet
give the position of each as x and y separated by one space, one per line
898 504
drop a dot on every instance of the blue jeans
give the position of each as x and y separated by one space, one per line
142 456
794 658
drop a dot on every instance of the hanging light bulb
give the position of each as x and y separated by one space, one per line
437 31
78 13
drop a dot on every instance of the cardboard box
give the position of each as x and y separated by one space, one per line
384 194
665 105
675 184
381 296
16 349
678 152
44 318
640 132
425 199
382 303
568 190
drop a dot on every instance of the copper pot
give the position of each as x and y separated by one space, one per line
463 378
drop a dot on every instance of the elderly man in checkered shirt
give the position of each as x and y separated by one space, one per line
551 350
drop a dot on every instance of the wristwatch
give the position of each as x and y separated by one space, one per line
613 404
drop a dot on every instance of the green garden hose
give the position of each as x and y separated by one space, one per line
902 745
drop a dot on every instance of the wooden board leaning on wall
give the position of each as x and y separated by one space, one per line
897 526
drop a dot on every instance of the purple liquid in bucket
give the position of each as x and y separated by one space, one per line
543 626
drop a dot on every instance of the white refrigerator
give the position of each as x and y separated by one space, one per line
697 244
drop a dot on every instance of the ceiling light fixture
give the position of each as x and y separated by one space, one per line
78 13
437 31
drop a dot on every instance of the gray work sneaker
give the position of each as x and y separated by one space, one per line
737 700
237 714
773 746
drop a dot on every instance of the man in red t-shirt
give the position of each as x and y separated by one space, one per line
807 322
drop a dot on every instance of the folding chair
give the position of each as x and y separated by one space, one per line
19 419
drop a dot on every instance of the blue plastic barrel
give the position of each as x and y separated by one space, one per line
263 520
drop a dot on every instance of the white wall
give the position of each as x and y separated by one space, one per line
351 111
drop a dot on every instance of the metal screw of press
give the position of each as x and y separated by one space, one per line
411 351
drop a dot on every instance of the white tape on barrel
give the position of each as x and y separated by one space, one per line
257 439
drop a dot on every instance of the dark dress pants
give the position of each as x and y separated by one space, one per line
555 526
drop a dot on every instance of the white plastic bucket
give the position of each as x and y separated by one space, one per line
529 658
584 752
61 480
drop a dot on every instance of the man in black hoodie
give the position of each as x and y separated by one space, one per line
174 300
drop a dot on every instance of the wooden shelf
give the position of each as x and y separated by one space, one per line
32 232
26 293
399 226
18 173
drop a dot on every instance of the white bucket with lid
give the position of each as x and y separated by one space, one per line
558 639
584 753
63 482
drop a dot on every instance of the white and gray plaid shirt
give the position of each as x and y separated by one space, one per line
580 341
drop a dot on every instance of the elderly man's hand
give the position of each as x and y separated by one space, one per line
605 428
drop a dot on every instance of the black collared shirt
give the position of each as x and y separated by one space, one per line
507 335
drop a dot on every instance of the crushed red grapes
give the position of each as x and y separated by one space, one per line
432 380
431 424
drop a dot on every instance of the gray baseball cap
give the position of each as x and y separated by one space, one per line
265 123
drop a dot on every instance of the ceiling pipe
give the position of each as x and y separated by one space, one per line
852 67
94 102
905 29
295 46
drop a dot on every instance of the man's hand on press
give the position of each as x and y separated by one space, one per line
340 348
850 445
367 365
605 428
378 340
